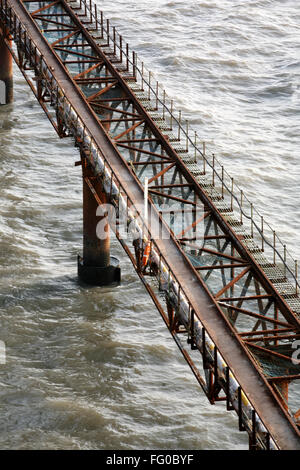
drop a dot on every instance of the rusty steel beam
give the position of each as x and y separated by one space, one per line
235 240
234 351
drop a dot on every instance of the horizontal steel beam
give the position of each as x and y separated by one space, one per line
205 307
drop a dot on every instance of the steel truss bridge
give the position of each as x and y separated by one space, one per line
229 297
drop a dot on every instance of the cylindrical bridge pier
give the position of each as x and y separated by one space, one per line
97 266
6 69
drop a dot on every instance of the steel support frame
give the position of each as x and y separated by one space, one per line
56 95
212 383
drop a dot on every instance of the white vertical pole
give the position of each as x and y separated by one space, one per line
146 201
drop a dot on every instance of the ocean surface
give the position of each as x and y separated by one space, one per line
95 368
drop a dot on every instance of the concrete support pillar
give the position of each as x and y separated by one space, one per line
97 266
6 71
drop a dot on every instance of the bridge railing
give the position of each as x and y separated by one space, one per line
261 232
166 277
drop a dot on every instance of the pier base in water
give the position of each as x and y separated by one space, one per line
6 72
100 276
96 266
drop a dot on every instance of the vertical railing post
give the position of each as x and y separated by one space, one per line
187 136
121 49
114 39
134 64
222 182
241 208
91 13
127 57
107 31
251 216
149 85
262 233
179 126
102 25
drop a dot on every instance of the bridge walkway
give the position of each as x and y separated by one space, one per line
222 287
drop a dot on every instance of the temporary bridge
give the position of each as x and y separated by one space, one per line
224 284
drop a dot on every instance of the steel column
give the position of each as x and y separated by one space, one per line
6 69
96 266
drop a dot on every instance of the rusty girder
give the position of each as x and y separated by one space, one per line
235 312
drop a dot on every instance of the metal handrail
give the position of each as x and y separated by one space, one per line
58 98
229 189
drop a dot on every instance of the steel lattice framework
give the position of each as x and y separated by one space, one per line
215 286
